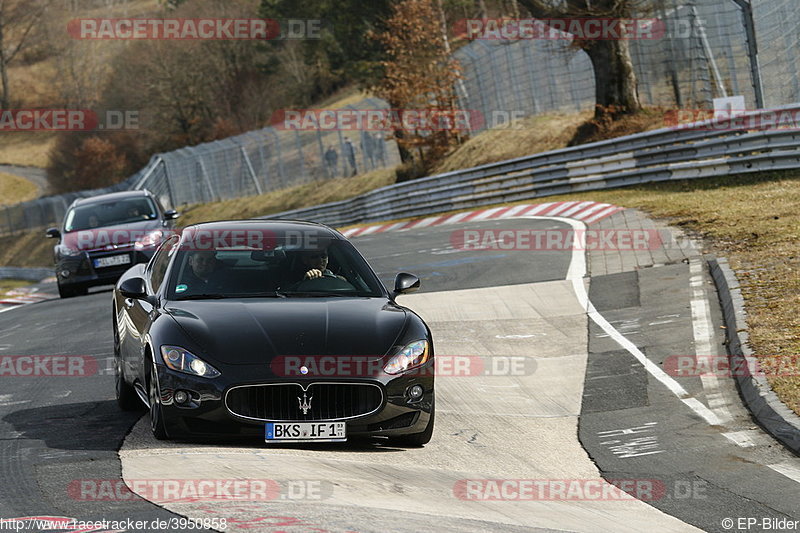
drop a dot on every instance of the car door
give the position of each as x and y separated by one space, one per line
141 313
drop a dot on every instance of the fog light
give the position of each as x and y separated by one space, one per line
415 392
181 396
65 273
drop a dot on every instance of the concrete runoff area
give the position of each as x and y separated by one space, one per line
488 427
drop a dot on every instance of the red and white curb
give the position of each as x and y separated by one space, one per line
24 296
587 212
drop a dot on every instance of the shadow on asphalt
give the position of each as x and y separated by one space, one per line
75 426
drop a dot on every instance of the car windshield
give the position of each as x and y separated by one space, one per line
285 270
112 213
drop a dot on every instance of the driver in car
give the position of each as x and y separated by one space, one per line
315 264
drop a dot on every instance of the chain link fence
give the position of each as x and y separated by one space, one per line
705 53
256 162
711 49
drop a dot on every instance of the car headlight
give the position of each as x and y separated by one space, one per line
413 355
151 240
184 361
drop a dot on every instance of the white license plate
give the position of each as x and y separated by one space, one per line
306 432
113 260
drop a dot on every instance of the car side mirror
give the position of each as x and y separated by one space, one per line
171 214
406 283
52 233
135 288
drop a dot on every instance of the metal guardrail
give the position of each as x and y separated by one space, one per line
27 274
699 150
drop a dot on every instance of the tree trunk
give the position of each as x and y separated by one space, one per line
617 88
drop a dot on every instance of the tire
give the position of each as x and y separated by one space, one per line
417 440
156 414
70 291
65 292
127 399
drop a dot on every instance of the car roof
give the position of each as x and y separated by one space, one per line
277 225
110 197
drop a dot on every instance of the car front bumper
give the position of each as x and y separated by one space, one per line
79 270
206 414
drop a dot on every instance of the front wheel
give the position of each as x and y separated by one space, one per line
73 290
127 399
156 414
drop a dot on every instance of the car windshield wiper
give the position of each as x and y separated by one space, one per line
204 297
269 294
321 294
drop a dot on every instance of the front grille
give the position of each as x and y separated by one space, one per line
328 401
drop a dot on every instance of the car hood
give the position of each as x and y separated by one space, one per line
246 331
109 236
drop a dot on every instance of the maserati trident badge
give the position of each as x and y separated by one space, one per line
305 403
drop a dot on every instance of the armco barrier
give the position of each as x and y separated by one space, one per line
662 155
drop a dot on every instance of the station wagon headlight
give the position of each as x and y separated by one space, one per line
184 361
151 240
413 355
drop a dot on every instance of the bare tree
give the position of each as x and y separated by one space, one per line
615 79
19 20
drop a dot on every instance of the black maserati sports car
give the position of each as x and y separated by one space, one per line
272 329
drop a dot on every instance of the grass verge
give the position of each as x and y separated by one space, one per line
28 249
310 194
7 285
26 149
14 189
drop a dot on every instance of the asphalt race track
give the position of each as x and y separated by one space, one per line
590 403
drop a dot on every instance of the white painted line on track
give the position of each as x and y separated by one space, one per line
790 470
703 342
576 274
747 438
